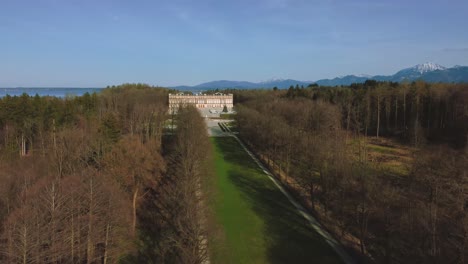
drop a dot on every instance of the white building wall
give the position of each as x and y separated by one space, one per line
201 101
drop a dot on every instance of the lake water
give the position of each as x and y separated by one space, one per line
57 92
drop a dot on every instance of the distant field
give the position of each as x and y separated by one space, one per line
394 157
258 223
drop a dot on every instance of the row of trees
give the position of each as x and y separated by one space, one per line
415 112
177 222
79 174
419 218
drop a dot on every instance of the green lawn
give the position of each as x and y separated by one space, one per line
258 224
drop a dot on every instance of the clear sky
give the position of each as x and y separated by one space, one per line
94 43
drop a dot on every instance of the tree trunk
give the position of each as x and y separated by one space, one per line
404 109
72 239
348 118
416 124
434 216
363 230
106 244
135 196
54 138
288 160
378 115
53 218
43 148
312 195
23 146
6 135
89 246
25 245
367 112
396 113
387 112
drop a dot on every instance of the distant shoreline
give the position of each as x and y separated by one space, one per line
52 87
59 92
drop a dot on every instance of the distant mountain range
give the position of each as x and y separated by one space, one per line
429 72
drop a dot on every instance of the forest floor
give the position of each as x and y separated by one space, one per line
258 224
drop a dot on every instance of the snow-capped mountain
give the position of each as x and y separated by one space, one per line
427 67
429 72
363 75
272 80
417 71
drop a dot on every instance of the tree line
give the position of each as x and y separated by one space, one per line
314 139
79 174
415 112
178 222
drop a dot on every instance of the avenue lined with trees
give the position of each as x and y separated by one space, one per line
317 141
114 178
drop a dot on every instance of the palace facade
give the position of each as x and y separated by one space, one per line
217 100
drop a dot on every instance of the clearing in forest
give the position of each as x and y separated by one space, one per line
257 222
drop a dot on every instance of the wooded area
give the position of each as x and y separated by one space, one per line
80 173
315 139
95 179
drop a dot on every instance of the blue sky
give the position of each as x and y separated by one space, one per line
94 43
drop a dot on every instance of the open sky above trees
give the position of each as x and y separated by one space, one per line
97 43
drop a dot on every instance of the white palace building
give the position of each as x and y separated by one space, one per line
217 100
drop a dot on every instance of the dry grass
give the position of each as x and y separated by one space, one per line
393 157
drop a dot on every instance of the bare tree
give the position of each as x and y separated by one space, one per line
135 166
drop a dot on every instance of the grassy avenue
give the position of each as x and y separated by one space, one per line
258 223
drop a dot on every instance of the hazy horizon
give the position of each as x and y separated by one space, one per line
170 43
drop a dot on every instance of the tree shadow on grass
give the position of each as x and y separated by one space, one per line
290 239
